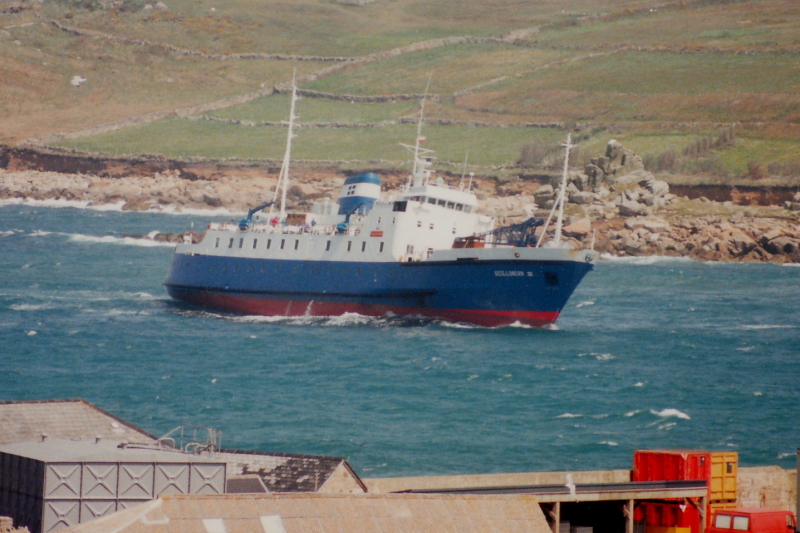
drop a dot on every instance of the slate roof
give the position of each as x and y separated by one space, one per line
282 472
27 421
324 513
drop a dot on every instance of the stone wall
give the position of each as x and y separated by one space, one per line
768 486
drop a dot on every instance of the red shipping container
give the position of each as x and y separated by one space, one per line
671 465
678 514
668 515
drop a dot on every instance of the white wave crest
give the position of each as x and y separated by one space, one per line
671 413
609 443
599 356
80 204
39 233
756 327
569 415
31 307
127 241
633 413
584 304
645 260
638 384
667 426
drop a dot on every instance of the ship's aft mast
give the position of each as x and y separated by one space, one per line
283 177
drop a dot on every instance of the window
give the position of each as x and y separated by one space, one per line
217 245
381 249
296 243
459 207
328 247
230 244
349 245
255 243
451 205
431 225
741 523
454 230
410 249
432 201
399 206
363 246
393 220
419 223
468 209
729 468
441 203
283 242
723 521
269 243
241 243
379 220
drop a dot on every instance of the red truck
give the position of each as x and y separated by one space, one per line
755 520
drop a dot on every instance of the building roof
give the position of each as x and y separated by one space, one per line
318 513
281 472
27 421
63 419
102 451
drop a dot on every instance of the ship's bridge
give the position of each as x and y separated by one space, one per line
442 195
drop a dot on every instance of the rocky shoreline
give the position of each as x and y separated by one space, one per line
614 205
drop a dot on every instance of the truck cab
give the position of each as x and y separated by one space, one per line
743 520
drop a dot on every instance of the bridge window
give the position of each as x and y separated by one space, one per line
441 203
399 206
468 209
432 201
459 207
451 205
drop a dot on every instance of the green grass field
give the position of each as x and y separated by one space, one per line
703 64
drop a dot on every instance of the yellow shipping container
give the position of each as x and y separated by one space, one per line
724 476
665 529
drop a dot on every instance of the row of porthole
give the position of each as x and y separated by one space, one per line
296 244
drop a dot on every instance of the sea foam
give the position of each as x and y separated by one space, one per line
127 241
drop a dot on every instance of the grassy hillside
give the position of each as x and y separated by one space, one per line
663 79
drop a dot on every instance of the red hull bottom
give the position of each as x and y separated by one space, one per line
245 305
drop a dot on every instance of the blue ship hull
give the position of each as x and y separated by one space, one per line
484 292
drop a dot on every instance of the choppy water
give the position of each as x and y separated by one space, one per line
649 353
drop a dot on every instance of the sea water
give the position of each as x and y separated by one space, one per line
648 353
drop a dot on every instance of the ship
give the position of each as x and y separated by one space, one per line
422 251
